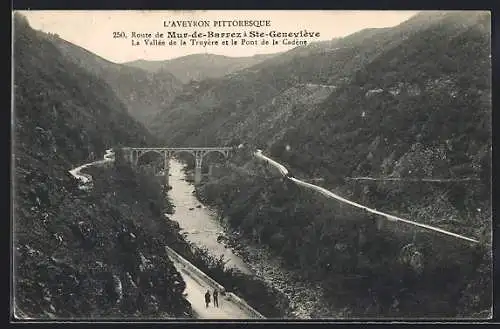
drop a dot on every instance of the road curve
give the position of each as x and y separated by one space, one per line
282 169
330 194
85 179
197 282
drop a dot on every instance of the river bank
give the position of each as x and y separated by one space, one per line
305 297
199 225
197 221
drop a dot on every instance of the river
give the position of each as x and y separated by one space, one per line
198 223
201 227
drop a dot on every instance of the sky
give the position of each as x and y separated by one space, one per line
94 30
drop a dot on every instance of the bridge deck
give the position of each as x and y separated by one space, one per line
178 148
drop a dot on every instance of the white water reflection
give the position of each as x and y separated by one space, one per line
198 223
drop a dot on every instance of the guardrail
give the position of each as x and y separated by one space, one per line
241 303
202 278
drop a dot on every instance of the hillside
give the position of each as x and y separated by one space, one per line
360 106
81 254
144 93
218 105
363 267
199 66
412 101
414 111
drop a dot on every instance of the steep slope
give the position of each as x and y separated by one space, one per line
144 93
200 66
269 121
385 114
418 105
414 111
79 254
218 105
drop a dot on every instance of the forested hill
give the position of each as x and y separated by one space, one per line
144 93
409 101
220 110
419 110
200 66
60 107
67 243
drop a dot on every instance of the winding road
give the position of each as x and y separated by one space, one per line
282 169
197 282
85 179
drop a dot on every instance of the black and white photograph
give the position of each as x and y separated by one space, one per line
252 165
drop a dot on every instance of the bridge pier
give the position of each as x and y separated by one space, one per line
166 167
128 155
134 158
197 168
131 157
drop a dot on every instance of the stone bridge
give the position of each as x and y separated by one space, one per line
132 154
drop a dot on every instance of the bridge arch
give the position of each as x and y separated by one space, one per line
151 160
141 153
135 154
176 152
213 159
224 153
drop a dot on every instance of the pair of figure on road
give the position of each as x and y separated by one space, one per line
216 298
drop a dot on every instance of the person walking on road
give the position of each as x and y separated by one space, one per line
216 298
207 298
